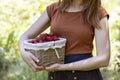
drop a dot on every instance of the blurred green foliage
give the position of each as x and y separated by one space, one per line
16 16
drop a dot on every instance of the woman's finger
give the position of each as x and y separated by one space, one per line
35 66
34 58
31 60
30 65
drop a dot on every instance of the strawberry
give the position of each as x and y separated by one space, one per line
55 38
49 38
45 38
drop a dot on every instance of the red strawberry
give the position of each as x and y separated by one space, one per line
44 38
40 41
55 38
49 38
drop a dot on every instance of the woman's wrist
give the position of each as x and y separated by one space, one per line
63 67
68 66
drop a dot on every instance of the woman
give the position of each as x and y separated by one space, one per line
79 21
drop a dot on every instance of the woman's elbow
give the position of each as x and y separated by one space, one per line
105 62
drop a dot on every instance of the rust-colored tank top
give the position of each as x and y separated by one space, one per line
70 25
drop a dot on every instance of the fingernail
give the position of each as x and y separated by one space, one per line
37 60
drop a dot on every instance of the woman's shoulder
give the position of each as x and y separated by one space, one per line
102 12
52 8
101 9
53 5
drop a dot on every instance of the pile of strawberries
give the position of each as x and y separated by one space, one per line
44 38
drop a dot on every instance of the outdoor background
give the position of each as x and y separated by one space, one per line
16 16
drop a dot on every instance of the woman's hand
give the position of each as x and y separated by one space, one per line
54 67
31 60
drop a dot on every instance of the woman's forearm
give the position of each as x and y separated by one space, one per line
85 65
21 42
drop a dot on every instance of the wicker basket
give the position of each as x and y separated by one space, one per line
48 52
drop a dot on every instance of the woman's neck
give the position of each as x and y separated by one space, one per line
75 6
76 3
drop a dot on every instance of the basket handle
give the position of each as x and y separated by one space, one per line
57 54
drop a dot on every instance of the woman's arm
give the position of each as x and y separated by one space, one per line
100 60
38 27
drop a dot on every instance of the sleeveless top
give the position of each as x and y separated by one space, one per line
70 25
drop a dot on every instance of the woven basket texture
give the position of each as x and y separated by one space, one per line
49 57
